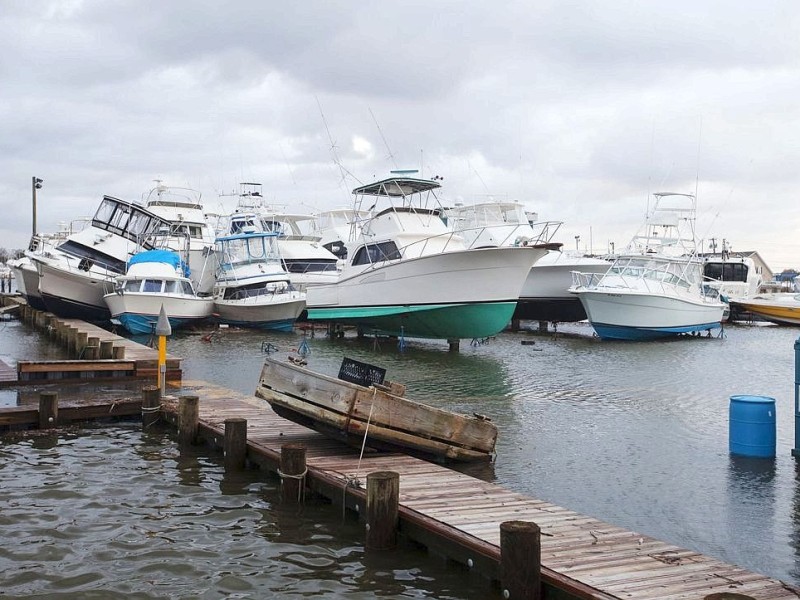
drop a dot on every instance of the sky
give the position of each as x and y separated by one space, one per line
580 110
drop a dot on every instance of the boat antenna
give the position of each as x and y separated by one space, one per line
385 143
342 170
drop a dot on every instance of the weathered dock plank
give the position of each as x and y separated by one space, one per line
582 555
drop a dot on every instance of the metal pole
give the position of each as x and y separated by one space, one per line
162 364
796 449
33 188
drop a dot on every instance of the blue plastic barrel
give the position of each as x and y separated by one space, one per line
752 426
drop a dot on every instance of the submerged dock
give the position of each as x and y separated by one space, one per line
453 514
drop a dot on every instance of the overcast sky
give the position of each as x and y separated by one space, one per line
577 109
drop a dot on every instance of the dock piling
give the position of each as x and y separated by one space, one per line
151 405
188 417
520 560
235 444
48 410
106 349
293 473
383 500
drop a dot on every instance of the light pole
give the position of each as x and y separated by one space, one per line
577 243
36 184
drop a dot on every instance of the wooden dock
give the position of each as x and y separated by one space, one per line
94 353
460 516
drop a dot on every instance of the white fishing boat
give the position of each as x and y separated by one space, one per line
74 274
655 289
156 278
304 257
183 209
408 274
253 288
545 295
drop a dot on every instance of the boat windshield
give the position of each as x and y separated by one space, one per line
682 273
249 248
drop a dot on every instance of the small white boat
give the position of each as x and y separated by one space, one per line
408 274
253 288
655 289
780 308
156 278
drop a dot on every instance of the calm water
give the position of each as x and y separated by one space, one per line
634 434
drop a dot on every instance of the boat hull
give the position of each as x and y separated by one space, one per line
779 309
349 412
279 314
640 316
73 293
139 312
451 295
27 282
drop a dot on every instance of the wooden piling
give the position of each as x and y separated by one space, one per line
383 498
106 349
188 415
520 560
118 352
293 472
81 341
151 405
453 345
48 410
235 444
92 348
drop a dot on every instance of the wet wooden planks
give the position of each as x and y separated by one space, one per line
602 560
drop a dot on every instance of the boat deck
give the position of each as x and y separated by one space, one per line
461 515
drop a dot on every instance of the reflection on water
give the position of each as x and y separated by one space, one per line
634 434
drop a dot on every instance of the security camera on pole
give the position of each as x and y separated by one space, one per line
163 329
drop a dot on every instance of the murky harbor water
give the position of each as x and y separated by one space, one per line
633 433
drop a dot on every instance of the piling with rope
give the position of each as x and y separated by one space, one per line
151 405
383 501
293 473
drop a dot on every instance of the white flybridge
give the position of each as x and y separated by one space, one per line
304 257
545 295
655 289
183 208
408 274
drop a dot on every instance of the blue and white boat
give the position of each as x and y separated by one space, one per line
156 278
253 288
655 289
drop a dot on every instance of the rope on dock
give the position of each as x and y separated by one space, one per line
301 489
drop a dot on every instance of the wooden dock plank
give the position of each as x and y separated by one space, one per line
609 561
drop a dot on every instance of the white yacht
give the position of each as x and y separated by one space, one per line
156 279
655 289
734 276
75 274
253 288
408 274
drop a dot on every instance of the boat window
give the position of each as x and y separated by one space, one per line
119 219
196 232
104 211
187 288
372 253
274 226
172 287
152 285
726 271
309 266
255 247
133 286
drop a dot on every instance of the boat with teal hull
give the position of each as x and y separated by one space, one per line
139 324
435 321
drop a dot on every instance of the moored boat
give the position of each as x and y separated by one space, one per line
655 289
408 274
253 288
364 407
156 279
780 308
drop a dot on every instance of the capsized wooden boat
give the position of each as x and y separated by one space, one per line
349 411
